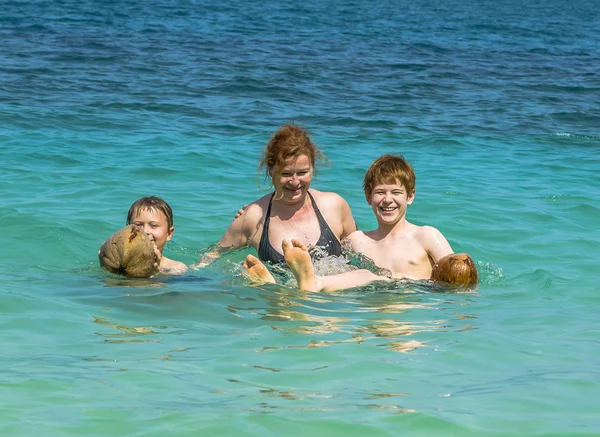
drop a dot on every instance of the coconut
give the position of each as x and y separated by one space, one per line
129 252
455 269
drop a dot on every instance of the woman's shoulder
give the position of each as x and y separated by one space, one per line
262 203
257 209
326 196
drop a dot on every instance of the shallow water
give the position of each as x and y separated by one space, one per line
495 106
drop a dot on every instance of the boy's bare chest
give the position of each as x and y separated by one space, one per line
403 256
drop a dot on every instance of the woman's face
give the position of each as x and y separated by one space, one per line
292 180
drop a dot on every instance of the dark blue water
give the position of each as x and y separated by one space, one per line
494 68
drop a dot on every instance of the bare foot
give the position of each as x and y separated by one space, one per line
257 270
298 259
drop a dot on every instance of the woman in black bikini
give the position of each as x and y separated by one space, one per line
293 210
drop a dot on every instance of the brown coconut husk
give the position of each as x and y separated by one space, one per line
129 252
455 269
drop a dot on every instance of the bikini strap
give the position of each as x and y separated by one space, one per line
320 217
268 217
265 232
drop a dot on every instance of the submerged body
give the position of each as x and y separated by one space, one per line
155 217
136 250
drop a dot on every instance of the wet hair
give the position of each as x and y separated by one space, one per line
290 141
389 169
151 203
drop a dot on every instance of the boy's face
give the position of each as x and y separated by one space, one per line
389 202
154 223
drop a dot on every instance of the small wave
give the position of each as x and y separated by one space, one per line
575 136
542 278
585 210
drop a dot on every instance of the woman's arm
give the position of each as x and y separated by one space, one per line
240 232
234 237
336 212
348 223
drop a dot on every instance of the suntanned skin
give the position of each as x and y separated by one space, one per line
292 213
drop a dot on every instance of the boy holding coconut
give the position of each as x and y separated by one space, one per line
136 250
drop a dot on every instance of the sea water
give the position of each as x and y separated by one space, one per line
494 103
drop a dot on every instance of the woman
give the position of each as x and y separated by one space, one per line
293 210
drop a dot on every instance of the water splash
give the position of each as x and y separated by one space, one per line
489 273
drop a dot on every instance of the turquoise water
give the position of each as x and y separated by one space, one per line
495 106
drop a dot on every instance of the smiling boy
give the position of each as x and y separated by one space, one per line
402 249
155 217
405 249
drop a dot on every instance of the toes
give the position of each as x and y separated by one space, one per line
251 260
297 243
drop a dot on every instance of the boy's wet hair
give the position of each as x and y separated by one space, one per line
151 203
389 170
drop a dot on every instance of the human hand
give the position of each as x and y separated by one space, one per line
157 254
241 211
206 260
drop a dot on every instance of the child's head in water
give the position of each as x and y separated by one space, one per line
155 217
121 252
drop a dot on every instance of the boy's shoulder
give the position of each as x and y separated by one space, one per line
356 236
356 240
426 232
172 267
422 233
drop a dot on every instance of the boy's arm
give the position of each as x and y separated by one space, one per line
172 267
435 243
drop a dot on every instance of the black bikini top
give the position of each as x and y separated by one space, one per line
327 240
